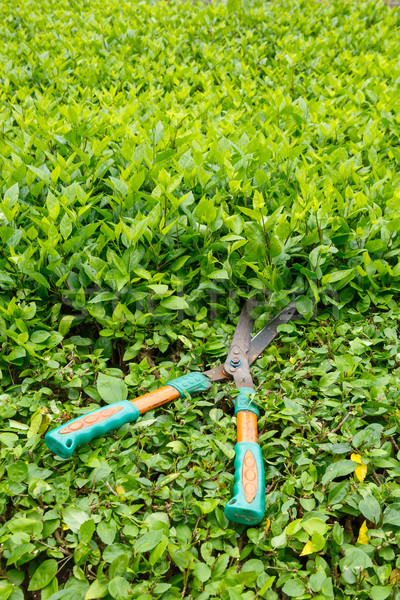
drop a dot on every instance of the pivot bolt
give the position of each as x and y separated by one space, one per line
235 362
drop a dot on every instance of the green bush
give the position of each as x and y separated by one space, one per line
161 162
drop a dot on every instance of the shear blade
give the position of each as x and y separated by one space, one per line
253 347
216 374
264 337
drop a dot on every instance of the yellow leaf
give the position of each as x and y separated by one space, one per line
362 534
120 490
361 472
308 549
44 424
394 576
356 458
267 525
65 527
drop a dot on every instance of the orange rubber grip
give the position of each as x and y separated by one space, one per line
156 398
247 427
92 418
249 477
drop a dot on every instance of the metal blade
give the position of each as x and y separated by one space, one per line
247 349
242 335
240 341
264 337
242 376
216 374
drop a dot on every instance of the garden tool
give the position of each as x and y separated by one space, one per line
247 505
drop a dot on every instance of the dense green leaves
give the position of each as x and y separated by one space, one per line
159 164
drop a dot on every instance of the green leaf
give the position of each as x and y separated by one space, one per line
336 276
174 303
40 173
107 531
338 534
119 566
12 193
65 226
219 274
338 469
317 542
119 588
73 517
6 589
355 559
158 133
38 277
160 588
182 558
345 363
86 531
158 551
18 471
370 509
49 590
380 592
305 306
119 186
111 389
16 355
6 278
98 589
294 588
65 324
314 525
158 520
316 581
391 515
43 575
38 337
268 583
148 541
279 541
202 571
207 506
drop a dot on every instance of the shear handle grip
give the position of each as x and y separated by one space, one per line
66 438
247 505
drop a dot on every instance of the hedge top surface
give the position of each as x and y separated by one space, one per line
158 159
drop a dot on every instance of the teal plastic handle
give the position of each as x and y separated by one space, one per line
245 401
67 437
189 383
248 503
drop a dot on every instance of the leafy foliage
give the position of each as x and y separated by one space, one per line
161 162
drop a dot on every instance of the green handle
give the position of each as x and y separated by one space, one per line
67 437
82 430
189 383
245 401
248 503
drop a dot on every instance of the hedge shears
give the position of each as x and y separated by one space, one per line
247 505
